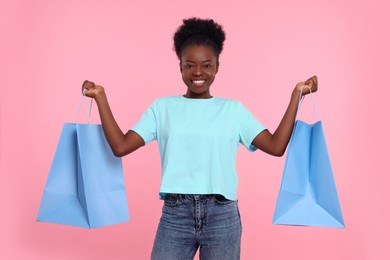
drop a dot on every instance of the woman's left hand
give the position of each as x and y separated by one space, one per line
310 84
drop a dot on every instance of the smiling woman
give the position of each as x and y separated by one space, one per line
198 137
198 44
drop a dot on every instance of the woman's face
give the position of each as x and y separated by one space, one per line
198 68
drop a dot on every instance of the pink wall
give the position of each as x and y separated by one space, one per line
48 48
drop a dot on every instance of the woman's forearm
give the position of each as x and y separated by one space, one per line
113 133
282 134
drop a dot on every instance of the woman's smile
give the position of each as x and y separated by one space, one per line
198 82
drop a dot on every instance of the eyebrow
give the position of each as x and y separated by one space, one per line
195 62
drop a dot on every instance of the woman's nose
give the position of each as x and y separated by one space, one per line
197 70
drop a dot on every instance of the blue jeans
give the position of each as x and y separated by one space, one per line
188 222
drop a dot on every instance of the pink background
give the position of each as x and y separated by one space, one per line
48 48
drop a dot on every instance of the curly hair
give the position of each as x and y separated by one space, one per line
199 32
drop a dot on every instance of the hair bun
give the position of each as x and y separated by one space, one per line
202 31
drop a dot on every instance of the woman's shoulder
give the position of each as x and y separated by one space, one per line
165 99
229 102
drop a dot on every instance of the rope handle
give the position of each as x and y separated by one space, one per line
88 112
301 101
299 107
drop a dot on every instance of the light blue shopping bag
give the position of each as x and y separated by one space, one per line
85 186
308 194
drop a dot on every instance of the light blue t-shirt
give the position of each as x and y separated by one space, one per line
198 141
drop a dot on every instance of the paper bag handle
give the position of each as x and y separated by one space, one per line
301 101
299 107
88 112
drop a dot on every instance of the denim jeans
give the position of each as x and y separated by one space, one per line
188 222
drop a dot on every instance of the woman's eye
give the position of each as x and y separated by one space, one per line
188 66
207 66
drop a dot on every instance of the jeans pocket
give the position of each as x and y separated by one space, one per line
170 200
220 199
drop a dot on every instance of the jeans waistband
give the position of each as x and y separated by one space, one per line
194 197
190 196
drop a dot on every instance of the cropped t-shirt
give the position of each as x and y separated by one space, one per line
198 141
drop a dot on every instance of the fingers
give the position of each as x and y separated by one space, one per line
86 86
303 85
312 83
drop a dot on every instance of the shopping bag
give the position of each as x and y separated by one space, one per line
308 194
85 186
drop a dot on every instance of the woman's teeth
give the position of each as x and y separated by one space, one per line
198 82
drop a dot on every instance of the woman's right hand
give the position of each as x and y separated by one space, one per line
91 90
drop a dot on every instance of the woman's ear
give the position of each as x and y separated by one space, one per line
180 67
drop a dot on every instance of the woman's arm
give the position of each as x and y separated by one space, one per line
276 144
121 144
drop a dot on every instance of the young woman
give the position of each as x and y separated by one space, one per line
198 136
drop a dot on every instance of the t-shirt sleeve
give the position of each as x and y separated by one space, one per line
146 127
249 127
